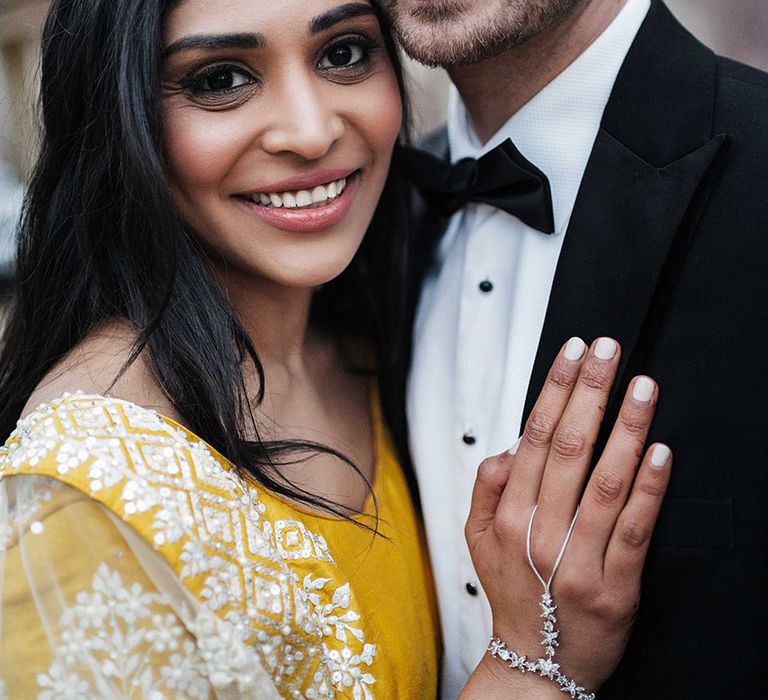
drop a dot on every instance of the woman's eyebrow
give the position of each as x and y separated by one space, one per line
339 14
245 40
256 40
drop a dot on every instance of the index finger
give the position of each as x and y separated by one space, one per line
532 450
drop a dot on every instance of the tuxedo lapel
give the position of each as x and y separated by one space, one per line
646 181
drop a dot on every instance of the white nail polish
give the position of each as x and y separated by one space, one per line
513 450
574 349
605 349
660 456
643 390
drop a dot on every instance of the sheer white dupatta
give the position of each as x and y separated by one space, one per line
89 610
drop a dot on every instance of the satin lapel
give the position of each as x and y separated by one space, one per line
618 242
646 182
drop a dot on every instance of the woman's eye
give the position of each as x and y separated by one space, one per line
221 79
217 80
343 55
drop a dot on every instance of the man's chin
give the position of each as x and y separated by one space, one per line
440 50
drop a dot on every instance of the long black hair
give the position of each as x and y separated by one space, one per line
100 239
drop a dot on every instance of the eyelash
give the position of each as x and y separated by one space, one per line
365 44
195 84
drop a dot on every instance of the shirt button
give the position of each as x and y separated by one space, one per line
486 286
469 439
471 588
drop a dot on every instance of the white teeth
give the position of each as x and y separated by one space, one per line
289 200
302 198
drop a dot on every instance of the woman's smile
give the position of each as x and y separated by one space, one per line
306 203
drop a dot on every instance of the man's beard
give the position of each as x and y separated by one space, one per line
440 34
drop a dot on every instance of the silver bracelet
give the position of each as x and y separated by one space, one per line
544 666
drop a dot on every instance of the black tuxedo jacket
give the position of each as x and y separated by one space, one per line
667 251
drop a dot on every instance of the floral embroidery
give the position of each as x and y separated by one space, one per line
270 580
104 648
230 660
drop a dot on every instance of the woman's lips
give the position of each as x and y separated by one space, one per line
309 219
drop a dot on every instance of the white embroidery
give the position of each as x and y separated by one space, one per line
109 644
229 659
254 568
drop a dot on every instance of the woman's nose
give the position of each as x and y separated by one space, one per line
306 123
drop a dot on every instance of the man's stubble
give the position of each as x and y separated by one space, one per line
464 32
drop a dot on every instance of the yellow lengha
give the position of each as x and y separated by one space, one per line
137 564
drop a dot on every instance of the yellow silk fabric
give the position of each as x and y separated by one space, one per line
327 609
391 577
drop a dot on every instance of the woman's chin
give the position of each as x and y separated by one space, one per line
289 276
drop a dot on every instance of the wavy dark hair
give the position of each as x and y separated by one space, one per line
100 239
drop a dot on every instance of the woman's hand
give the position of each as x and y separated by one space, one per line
597 585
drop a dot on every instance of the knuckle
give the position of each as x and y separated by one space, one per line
562 379
633 532
539 429
607 488
606 608
577 589
630 607
596 376
620 607
505 526
568 442
654 488
634 422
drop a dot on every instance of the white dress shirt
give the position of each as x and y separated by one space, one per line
480 320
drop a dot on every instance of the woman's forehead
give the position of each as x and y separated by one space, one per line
267 18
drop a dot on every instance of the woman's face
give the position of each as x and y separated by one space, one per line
280 119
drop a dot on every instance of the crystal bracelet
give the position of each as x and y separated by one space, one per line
544 666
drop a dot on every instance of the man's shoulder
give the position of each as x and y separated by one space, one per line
733 72
742 94
741 110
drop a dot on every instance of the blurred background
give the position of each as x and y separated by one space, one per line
735 28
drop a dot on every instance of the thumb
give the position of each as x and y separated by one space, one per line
492 477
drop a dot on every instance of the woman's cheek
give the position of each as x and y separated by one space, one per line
201 146
390 111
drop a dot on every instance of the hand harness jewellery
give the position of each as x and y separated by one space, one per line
544 666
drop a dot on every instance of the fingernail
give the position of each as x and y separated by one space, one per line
605 349
660 456
574 349
513 450
643 390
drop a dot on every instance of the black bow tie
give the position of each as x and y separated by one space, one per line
503 178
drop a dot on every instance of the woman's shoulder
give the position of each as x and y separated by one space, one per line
101 365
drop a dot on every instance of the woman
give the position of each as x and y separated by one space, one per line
200 499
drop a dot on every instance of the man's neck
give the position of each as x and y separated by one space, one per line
494 90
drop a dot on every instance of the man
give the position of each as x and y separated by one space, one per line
656 154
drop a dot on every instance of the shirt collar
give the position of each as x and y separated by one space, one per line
556 129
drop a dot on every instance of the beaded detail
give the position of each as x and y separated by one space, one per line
270 578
